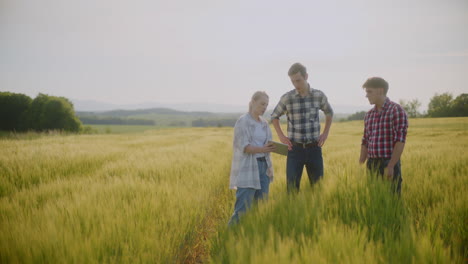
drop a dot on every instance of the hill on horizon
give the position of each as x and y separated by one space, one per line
159 117
169 117
95 106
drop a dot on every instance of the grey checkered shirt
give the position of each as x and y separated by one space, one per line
303 114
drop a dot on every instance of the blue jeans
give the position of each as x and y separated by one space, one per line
246 196
377 166
298 157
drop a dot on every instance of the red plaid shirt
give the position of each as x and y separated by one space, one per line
383 129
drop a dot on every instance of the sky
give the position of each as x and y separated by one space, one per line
221 52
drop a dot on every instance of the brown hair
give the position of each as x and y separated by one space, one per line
257 96
297 67
376 82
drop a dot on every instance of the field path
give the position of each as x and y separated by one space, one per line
196 245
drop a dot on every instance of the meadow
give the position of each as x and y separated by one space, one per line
161 196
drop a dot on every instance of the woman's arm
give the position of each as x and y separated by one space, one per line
268 147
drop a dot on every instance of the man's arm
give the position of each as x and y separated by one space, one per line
279 110
328 110
323 137
364 151
279 132
396 154
400 123
363 156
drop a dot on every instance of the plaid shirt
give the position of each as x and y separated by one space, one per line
383 129
244 168
303 114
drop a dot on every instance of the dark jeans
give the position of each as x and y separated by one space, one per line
298 157
377 167
245 197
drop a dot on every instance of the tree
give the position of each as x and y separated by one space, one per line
440 105
460 105
411 107
13 108
35 112
51 112
59 114
19 112
357 116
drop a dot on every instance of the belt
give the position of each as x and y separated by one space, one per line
305 145
261 159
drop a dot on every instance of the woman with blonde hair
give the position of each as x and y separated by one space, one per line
251 170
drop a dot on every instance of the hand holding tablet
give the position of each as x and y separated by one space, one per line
280 148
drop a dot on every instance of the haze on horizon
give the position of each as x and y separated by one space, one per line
220 52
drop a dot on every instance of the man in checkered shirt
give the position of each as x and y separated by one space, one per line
385 128
301 106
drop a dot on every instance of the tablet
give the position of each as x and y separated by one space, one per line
280 148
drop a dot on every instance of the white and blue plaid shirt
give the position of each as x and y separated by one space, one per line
244 168
303 114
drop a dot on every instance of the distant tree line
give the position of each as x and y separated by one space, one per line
19 112
357 116
443 105
178 124
109 120
411 107
214 122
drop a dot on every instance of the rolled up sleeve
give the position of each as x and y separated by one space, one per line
325 106
241 139
364 140
280 108
400 124
365 136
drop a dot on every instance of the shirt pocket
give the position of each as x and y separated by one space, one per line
313 112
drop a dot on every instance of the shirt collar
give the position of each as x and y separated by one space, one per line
296 93
384 106
255 121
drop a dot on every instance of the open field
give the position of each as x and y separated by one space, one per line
121 129
161 196
350 218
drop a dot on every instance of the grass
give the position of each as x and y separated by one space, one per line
162 196
352 217
108 198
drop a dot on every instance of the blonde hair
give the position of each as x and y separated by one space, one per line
257 96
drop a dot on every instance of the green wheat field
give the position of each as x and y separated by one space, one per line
161 196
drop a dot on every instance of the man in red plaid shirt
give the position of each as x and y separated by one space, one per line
385 128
